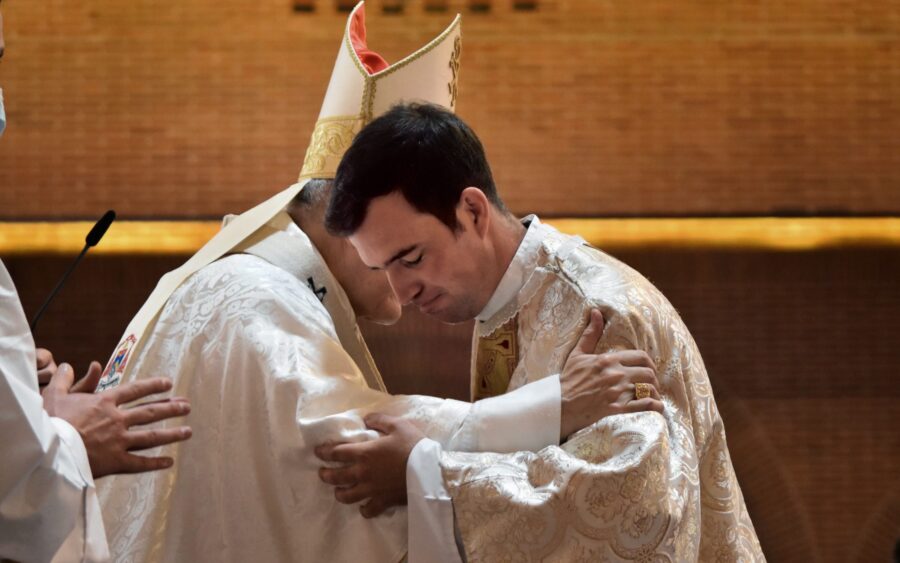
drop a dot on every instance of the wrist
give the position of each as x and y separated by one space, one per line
410 446
565 418
573 417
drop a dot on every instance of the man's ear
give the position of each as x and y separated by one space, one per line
476 208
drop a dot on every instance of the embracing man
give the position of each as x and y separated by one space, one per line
415 196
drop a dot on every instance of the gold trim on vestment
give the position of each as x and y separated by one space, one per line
332 136
454 68
370 85
329 141
407 60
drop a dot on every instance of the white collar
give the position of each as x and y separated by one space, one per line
517 273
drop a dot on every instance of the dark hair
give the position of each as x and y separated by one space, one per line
424 151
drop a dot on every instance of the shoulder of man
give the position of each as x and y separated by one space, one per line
243 283
626 298
594 274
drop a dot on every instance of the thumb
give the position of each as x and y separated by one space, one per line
62 379
44 358
381 422
89 382
591 335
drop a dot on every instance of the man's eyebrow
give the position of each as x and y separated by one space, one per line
400 254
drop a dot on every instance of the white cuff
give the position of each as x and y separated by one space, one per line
71 439
430 510
87 541
527 419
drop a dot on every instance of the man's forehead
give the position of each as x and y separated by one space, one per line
380 244
391 226
389 219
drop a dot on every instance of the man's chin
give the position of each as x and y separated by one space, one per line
385 321
451 316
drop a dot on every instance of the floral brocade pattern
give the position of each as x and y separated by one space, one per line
633 487
258 356
330 140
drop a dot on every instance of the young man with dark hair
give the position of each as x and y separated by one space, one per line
415 197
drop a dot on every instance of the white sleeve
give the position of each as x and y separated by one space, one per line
526 419
87 542
48 508
432 537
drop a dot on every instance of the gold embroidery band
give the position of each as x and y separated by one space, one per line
330 140
454 68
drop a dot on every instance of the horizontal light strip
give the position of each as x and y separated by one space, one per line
763 233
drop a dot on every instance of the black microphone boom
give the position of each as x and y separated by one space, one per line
99 229
90 240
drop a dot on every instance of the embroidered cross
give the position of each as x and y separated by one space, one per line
320 292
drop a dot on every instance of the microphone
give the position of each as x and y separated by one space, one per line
90 240
99 229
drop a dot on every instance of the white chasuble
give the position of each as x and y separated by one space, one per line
643 486
266 347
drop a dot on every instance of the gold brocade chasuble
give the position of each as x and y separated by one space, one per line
496 358
644 486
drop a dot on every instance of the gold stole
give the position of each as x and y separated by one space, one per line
495 360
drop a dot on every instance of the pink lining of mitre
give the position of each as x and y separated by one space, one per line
371 61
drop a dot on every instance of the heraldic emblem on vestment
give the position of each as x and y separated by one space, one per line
496 358
112 375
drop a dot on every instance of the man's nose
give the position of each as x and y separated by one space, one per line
404 285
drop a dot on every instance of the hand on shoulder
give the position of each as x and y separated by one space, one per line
595 386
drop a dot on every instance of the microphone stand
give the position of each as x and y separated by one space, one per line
92 238
39 314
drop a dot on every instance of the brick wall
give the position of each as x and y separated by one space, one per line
587 107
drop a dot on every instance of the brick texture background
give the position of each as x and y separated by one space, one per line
586 107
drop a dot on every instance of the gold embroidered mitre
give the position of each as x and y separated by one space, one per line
363 87
496 358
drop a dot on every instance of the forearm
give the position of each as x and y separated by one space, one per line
524 419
